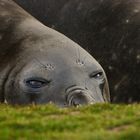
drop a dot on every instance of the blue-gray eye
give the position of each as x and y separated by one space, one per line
37 83
96 75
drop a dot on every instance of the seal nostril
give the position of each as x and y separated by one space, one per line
76 104
76 96
79 99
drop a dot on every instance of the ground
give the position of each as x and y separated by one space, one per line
95 122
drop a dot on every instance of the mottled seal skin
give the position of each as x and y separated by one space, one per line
39 65
108 29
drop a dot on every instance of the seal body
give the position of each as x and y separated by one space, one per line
39 65
108 29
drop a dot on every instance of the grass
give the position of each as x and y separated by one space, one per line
95 122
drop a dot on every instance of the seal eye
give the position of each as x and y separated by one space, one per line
37 83
96 75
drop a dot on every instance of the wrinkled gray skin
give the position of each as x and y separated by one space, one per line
40 65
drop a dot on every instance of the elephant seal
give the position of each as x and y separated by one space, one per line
112 26
39 65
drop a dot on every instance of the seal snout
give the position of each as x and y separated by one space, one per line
78 96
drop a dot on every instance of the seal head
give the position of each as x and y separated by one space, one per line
45 66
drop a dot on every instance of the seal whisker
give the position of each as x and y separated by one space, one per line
47 66
40 63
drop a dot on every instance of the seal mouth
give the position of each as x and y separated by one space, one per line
78 96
